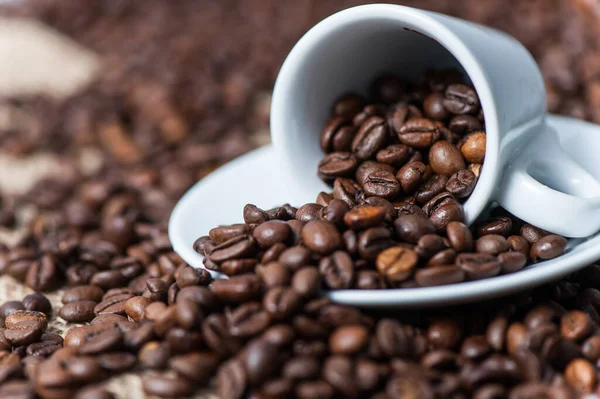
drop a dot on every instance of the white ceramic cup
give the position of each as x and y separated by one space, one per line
525 169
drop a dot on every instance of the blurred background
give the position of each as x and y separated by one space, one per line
155 93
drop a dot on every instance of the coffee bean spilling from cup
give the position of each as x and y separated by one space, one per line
411 143
400 168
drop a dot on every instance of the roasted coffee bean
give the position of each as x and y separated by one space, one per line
337 164
166 387
154 355
117 362
223 233
419 133
395 155
439 275
463 124
18 316
389 89
216 334
372 241
511 262
108 279
461 99
499 225
381 184
432 187
309 212
38 303
334 212
399 114
433 107
78 312
337 270
473 147
301 368
364 216
410 228
348 105
232 379
491 244
348 340
321 237
581 375
429 245
478 266
462 183
306 281
370 138
43 274
518 244
254 215
548 247
366 168
411 176
516 336
270 233
575 325
195 366
236 289
460 236
396 264
235 248
24 332
281 303
270 255
248 320
445 159
346 190
192 276
274 275
135 307
315 389
532 234
10 307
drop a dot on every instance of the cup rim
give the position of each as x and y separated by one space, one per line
428 24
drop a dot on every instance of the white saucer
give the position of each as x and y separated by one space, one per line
219 198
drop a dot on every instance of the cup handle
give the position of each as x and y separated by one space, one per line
546 187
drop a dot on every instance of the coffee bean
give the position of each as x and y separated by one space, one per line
135 307
395 155
18 316
38 303
195 366
381 184
478 266
17 389
516 336
321 237
511 262
411 176
410 228
473 147
24 332
166 387
367 168
254 215
220 234
134 339
248 320
429 245
462 183
581 375
348 105
548 247
370 138
434 186
306 281
78 312
396 264
235 248
43 275
419 133
575 325
232 379
10 307
445 159
302 368
309 212
372 241
270 233
236 289
518 244
154 355
337 270
346 190
460 99
117 362
97 339
491 244
463 124
433 107
439 275
348 340
337 164
316 389
399 114
531 233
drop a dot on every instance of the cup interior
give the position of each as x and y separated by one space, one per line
345 55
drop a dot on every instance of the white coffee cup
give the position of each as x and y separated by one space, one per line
525 169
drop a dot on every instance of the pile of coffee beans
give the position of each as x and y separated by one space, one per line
414 142
269 337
